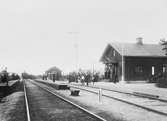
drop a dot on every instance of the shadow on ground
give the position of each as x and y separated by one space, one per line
8 90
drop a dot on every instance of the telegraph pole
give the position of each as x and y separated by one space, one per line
77 59
76 48
123 76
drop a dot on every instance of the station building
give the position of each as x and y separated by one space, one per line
53 73
133 61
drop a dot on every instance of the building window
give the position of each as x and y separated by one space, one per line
164 68
153 70
113 52
138 69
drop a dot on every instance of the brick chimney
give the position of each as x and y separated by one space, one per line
139 41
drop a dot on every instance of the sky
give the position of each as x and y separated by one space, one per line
70 34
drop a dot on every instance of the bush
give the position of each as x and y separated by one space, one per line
162 81
155 78
72 77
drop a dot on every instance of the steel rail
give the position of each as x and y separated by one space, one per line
70 102
122 100
26 101
128 93
125 101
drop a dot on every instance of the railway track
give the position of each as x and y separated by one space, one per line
149 96
42 104
150 104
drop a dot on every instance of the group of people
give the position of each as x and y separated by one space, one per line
84 78
111 73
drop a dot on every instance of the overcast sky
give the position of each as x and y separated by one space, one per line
38 34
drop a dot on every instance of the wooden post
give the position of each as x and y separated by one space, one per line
123 66
100 95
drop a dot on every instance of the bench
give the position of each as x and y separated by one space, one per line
74 92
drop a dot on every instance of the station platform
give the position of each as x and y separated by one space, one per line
145 88
10 83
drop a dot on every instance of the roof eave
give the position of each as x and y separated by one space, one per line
146 56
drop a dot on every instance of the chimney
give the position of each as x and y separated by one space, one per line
139 41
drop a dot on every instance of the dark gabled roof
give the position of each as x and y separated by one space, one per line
133 50
149 50
53 69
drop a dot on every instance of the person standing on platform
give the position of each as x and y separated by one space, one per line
54 77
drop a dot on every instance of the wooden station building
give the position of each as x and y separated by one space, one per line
133 62
53 73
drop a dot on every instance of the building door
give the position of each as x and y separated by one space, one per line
139 73
114 74
107 71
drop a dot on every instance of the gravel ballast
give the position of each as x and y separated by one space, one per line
112 108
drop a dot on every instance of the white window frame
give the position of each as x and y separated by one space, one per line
153 70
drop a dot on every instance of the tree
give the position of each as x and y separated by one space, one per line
163 42
4 77
161 79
